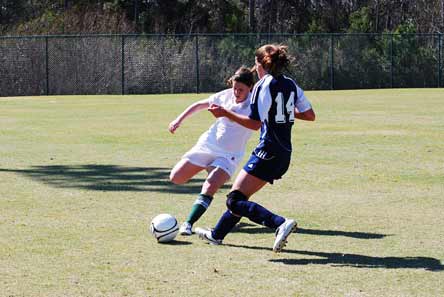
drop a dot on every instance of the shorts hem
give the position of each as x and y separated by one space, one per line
226 171
194 162
255 174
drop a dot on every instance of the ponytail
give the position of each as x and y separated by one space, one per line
274 58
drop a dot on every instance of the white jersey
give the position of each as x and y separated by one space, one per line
225 136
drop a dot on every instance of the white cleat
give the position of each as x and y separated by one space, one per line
282 233
205 234
185 229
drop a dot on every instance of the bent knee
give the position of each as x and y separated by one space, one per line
177 179
211 186
233 197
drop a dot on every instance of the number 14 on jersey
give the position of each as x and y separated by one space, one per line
282 110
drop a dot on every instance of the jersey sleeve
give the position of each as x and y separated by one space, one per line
302 104
218 98
260 103
213 99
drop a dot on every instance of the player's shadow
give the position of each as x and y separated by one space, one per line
254 229
361 261
353 260
109 178
176 242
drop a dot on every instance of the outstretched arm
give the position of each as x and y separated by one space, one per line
219 111
195 107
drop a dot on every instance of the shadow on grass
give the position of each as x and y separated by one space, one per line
353 260
109 178
254 229
176 242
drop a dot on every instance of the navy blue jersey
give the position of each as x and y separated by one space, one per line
273 103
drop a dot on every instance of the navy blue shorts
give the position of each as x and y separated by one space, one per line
267 166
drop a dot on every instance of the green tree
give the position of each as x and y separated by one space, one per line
361 21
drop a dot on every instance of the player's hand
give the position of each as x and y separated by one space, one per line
172 127
217 111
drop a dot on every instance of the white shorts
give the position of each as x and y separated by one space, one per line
205 158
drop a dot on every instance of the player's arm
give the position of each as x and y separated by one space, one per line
193 108
219 111
303 109
308 115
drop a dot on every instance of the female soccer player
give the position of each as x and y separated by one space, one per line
276 102
220 149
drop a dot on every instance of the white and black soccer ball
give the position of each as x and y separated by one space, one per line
164 227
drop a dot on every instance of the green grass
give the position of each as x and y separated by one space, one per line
81 177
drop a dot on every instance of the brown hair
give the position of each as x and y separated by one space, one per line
274 58
243 75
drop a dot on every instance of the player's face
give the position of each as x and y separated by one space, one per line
259 69
240 91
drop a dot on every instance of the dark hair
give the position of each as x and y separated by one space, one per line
274 58
243 75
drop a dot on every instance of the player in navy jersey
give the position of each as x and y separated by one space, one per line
276 102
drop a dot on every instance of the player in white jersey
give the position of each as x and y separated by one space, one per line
220 149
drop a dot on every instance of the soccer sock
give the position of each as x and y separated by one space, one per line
225 224
258 214
199 207
237 202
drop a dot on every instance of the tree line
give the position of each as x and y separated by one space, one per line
218 16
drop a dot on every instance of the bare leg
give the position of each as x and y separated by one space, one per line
247 183
183 171
217 177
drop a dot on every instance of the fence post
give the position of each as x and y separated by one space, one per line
332 73
391 60
197 63
123 64
47 65
439 59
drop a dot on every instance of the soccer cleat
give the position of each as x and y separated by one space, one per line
206 235
282 233
185 229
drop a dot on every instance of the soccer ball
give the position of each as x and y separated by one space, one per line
164 227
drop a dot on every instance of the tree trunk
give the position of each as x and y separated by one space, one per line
442 16
377 16
251 21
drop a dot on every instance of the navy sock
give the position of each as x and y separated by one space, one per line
225 224
257 213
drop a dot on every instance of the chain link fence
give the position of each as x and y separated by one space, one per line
151 64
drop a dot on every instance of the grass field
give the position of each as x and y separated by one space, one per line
82 176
